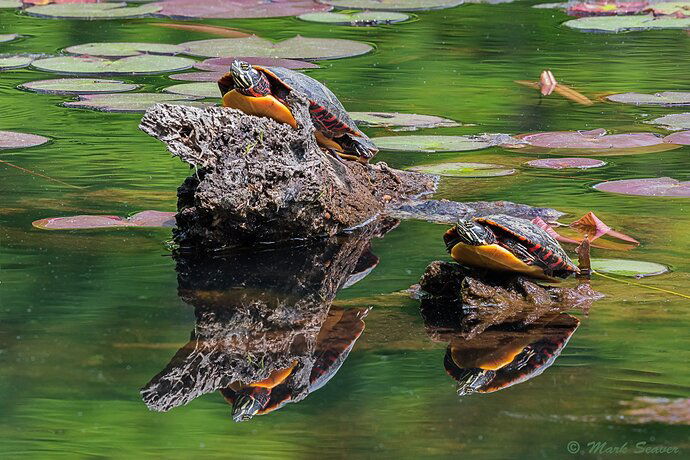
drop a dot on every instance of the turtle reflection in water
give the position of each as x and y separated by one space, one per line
499 358
336 338
262 91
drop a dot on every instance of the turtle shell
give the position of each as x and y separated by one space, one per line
546 250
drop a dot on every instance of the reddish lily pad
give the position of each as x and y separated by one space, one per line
393 5
430 144
465 170
566 163
666 98
134 65
203 89
615 24
681 138
141 219
606 8
298 47
130 102
124 49
77 86
222 64
198 76
406 121
365 18
674 121
229 9
92 10
14 62
657 186
12 140
7 37
625 267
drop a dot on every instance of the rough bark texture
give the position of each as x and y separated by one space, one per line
258 180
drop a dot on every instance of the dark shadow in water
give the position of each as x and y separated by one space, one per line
265 331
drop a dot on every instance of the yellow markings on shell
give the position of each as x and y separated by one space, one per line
494 257
264 106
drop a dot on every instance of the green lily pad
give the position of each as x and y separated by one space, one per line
668 98
625 267
366 18
681 8
393 5
430 143
465 169
124 49
550 6
627 23
407 121
130 102
10 3
7 37
203 89
135 65
674 122
77 86
92 10
14 62
294 48
12 140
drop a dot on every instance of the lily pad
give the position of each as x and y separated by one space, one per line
195 89
129 102
141 219
198 76
77 86
566 163
608 8
465 169
229 9
366 18
681 138
14 62
124 49
668 98
656 186
407 121
12 140
10 3
92 10
7 37
549 6
674 121
294 48
625 267
675 8
430 143
134 65
222 64
627 23
393 5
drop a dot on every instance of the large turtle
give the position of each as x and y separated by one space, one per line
497 359
505 243
262 91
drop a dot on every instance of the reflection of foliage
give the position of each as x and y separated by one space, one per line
657 410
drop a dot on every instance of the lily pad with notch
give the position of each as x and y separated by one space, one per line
430 144
469 170
134 65
124 49
654 186
364 18
77 86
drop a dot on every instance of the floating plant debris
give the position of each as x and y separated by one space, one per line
365 18
195 89
674 121
14 62
657 186
668 98
77 86
465 169
230 9
681 138
124 49
547 84
117 10
130 102
406 121
566 163
227 32
593 227
134 65
616 24
393 5
625 267
12 140
140 219
222 64
430 143
293 48
198 76
8 37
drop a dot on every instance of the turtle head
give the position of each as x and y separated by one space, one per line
245 407
468 232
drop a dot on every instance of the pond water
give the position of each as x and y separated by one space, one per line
88 318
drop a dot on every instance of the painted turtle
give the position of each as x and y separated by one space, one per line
505 243
261 91
497 359
335 340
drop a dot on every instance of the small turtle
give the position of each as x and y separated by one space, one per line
497 359
505 243
261 91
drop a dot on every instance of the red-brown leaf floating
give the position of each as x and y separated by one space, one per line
227 32
12 140
222 64
606 8
586 227
564 163
141 219
592 226
547 82
229 9
657 186
539 222
681 138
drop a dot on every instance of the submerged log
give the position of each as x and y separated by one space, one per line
256 180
